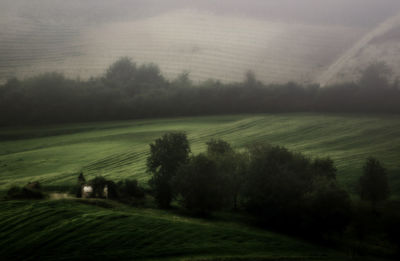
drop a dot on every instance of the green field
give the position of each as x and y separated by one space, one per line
71 230
54 155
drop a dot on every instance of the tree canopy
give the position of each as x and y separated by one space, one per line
166 155
373 184
198 184
128 90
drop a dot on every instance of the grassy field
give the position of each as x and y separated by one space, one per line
54 155
71 230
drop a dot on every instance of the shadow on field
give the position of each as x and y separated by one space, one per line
253 259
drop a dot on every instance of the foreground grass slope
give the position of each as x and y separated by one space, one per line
70 230
54 155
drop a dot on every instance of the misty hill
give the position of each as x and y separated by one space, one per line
302 41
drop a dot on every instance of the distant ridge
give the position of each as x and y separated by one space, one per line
329 75
280 40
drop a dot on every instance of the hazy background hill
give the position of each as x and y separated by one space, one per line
280 40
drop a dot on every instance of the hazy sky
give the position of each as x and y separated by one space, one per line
349 12
81 37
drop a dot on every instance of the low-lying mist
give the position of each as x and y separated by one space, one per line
279 40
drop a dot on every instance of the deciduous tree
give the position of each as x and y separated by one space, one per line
373 184
166 155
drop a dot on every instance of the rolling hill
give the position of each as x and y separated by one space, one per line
55 155
71 230
303 41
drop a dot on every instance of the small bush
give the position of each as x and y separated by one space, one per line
30 191
14 193
130 189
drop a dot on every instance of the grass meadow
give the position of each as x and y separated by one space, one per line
58 230
55 155
94 229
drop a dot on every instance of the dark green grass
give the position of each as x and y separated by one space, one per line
55 155
99 230
71 230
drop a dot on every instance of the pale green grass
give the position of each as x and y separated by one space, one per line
55 155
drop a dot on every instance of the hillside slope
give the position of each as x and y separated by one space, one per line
381 44
55 155
279 40
70 230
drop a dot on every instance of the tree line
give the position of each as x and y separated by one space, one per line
286 191
130 91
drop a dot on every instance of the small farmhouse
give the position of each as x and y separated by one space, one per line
89 192
95 188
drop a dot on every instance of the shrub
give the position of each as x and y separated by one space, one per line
29 191
14 192
130 189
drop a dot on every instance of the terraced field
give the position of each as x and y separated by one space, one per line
70 230
55 155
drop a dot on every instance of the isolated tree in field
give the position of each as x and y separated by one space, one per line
198 185
166 155
373 184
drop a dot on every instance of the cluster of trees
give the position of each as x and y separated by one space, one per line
286 190
128 91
